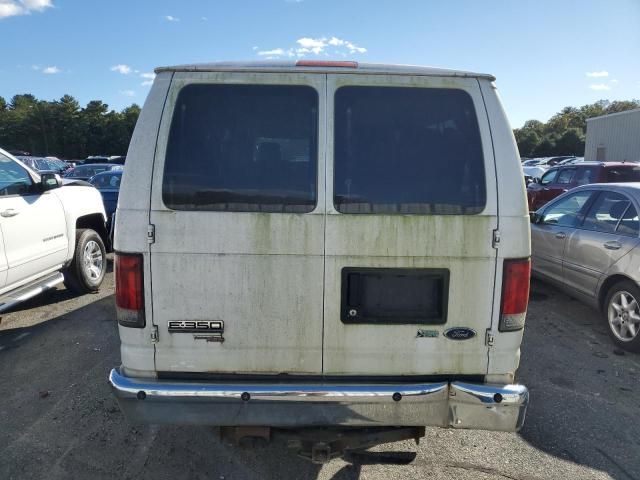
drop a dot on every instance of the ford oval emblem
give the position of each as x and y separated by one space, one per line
459 333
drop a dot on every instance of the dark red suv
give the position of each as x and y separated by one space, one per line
558 180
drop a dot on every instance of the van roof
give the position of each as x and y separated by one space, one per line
323 66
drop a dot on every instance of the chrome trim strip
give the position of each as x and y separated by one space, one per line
126 387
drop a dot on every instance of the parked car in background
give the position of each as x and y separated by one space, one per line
571 161
43 164
108 183
49 233
586 242
114 159
558 180
85 172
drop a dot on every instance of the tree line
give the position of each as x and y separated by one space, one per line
64 129
565 132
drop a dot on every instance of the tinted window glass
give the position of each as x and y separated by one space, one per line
243 148
629 224
585 176
107 181
630 174
606 212
407 150
566 212
549 177
565 175
14 179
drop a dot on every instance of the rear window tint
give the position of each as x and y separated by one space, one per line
243 148
629 174
407 150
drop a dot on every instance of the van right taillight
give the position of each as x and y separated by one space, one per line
129 290
516 277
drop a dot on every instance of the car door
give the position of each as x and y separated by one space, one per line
554 224
609 231
238 210
411 202
537 191
561 184
33 225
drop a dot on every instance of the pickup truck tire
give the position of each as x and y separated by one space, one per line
87 269
622 314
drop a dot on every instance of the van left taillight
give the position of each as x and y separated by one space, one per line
516 278
129 290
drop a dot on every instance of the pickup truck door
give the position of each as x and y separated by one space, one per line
33 225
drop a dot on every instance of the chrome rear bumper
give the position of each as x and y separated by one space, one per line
442 404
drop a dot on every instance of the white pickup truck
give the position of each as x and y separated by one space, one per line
50 232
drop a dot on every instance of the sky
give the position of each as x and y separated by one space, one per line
546 54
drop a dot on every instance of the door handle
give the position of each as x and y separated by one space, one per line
9 212
613 245
546 189
561 235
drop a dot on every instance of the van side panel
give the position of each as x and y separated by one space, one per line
132 219
515 235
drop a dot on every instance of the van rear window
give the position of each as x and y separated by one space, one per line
243 148
407 150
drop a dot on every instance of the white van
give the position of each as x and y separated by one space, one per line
322 244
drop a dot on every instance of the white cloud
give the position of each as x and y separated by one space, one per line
315 46
11 8
51 70
599 74
128 93
35 67
271 53
614 80
171 18
148 78
121 68
599 86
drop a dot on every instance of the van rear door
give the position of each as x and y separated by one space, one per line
411 208
237 262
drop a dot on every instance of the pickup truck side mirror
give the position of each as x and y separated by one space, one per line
49 181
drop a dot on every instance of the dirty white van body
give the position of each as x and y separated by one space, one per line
322 244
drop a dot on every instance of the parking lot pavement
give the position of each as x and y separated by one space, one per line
58 419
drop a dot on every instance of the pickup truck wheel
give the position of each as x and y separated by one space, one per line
622 312
86 272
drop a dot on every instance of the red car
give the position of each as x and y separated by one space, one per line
558 180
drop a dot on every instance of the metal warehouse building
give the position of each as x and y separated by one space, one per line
614 137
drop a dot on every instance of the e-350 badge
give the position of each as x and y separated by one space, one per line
196 326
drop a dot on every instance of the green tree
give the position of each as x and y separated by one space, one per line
564 133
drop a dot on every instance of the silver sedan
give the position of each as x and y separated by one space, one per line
586 242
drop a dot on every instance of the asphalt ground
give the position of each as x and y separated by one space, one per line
58 419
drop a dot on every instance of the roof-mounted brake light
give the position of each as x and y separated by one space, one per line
326 63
